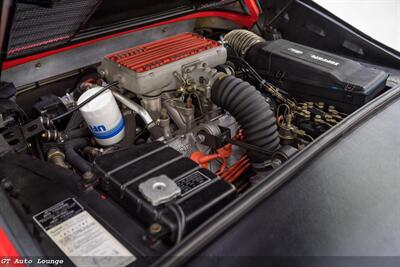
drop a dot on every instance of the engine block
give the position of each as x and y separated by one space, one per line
149 69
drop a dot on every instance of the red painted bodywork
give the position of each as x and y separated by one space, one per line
243 20
8 253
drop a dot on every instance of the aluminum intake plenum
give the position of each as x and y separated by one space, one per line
148 70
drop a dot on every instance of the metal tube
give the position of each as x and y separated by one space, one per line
138 109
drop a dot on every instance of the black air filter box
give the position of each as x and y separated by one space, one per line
202 192
316 75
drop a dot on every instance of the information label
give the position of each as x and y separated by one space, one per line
81 237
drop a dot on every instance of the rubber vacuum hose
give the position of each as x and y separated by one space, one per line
73 158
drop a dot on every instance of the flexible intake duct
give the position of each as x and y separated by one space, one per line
242 40
252 112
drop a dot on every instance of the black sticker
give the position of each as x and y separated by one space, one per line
58 213
192 181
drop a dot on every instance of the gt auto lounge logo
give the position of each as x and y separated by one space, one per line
19 261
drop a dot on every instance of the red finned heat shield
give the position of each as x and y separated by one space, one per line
155 54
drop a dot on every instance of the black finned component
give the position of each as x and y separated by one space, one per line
202 193
252 112
315 75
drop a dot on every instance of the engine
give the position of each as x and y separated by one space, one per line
168 84
175 129
172 79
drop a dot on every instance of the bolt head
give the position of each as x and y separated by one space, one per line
276 163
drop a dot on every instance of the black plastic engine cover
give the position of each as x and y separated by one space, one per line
317 75
202 192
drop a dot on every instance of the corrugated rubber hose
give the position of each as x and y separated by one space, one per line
251 110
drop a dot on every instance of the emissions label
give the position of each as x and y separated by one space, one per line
81 237
191 182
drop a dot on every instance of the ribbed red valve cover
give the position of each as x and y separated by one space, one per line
158 53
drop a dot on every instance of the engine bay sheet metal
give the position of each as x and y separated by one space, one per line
81 237
85 56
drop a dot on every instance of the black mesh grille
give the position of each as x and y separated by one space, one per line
36 28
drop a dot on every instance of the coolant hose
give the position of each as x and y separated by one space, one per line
253 113
73 158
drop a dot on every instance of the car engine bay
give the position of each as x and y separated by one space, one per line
174 130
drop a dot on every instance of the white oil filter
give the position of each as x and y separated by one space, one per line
103 117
